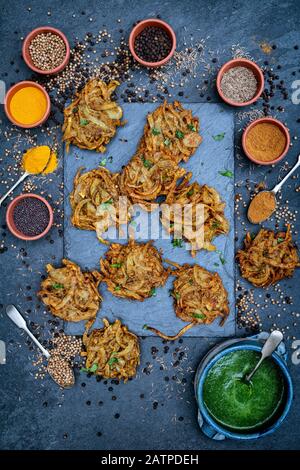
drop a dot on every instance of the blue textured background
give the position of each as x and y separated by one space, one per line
35 414
83 246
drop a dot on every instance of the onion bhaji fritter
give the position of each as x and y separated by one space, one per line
268 258
133 271
173 130
197 196
199 298
112 351
95 201
149 175
91 120
71 294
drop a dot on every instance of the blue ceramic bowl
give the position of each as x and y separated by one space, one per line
269 428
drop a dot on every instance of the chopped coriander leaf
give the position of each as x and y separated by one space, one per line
146 163
167 142
280 240
83 122
152 292
222 259
112 360
179 134
216 264
94 368
57 285
91 369
227 173
155 131
117 288
192 127
116 265
176 295
219 137
252 235
74 110
106 204
177 242
110 159
145 327
190 192
216 224
200 316
103 162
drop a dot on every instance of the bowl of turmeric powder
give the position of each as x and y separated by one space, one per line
27 104
266 141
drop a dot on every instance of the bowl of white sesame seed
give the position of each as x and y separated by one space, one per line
46 50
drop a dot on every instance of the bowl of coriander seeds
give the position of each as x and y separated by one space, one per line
46 50
240 82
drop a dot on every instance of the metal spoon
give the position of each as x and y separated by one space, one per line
276 188
22 178
269 347
17 318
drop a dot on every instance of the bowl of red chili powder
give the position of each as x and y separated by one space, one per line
29 216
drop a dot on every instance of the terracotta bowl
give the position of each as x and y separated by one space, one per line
276 123
140 27
9 96
27 57
10 221
241 63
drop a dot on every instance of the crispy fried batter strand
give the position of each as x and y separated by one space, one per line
268 258
134 270
71 294
173 130
113 351
91 120
95 201
213 219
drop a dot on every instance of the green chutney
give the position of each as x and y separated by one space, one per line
235 404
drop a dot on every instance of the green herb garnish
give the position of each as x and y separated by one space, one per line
74 110
219 137
200 316
83 122
56 285
116 265
227 173
176 295
216 264
103 162
177 242
117 288
192 127
106 204
112 360
179 134
216 224
152 292
90 370
146 163
155 131
167 142
190 192
110 159
280 240
145 327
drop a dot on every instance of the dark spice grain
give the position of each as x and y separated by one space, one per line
31 216
153 44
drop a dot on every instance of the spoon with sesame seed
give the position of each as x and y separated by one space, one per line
58 368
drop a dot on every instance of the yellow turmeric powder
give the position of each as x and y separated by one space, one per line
39 160
28 105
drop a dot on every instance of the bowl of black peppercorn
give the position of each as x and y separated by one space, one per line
152 42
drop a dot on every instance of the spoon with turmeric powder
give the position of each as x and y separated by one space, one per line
37 160
263 204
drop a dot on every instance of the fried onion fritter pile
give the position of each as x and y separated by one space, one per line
199 298
173 130
133 271
71 294
91 120
112 351
268 258
94 195
213 221
149 175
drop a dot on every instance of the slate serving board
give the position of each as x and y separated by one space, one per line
84 248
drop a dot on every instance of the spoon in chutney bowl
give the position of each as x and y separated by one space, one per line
269 347
58 368
263 204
